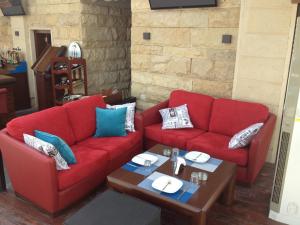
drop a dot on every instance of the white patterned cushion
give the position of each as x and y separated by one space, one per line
244 137
176 118
129 124
47 149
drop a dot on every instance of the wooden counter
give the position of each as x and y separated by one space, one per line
21 90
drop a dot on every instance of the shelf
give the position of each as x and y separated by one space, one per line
60 72
62 87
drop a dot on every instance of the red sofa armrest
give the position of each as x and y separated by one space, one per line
33 175
259 148
152 115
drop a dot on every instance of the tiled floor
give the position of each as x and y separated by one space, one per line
250 208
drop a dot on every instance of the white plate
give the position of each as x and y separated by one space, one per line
198 157
167 184
141 158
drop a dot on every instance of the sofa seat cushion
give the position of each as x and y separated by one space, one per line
216 145
175 138
82 116
53 120
119 149
90 163
199 106
231 116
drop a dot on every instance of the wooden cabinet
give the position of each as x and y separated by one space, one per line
42 71
21 90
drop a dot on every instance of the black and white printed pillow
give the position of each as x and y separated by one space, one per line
244 137
47 149
129 123
176 118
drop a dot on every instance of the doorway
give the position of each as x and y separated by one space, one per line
42 40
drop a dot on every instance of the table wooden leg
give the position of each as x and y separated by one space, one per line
2 175
228 194
200 219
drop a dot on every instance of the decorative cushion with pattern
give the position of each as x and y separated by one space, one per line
129 124
244 137
176 118
47 149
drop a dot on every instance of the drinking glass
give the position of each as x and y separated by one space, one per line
202 176
167 152
147 165
194 178
175 154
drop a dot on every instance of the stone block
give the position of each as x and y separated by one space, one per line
273 46
185 52
224 17
264 69
162 36
179 66
258 91
212 38
213 88
268 21
202 68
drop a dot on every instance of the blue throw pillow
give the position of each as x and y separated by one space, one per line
59 144
110 122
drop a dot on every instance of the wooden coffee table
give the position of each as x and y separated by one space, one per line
220 185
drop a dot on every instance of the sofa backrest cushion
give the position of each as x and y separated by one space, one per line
53 120
231 116
82 115
199 106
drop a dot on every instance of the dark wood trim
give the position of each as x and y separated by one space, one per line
2 175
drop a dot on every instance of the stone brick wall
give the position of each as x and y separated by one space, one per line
106 44
185 50
102 30
5 33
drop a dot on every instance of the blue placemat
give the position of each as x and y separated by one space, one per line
210 166
188 187
146 171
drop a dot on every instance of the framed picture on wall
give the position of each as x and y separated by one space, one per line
167 4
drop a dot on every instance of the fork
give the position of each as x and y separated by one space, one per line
183 192
169 182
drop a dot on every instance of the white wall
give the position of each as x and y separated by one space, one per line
290 202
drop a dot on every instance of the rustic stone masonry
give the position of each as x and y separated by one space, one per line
185 50
101 28
5 33
106 44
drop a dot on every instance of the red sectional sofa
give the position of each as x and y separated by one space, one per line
34 175
215 122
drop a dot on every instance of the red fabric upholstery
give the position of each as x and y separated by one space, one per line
119 149
226 118
230 116
32 174
3 101
82 115
175 138
199 106
54 120
152 115
90 163
216 145
258 149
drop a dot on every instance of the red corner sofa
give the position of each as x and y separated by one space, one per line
215 122
34 175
